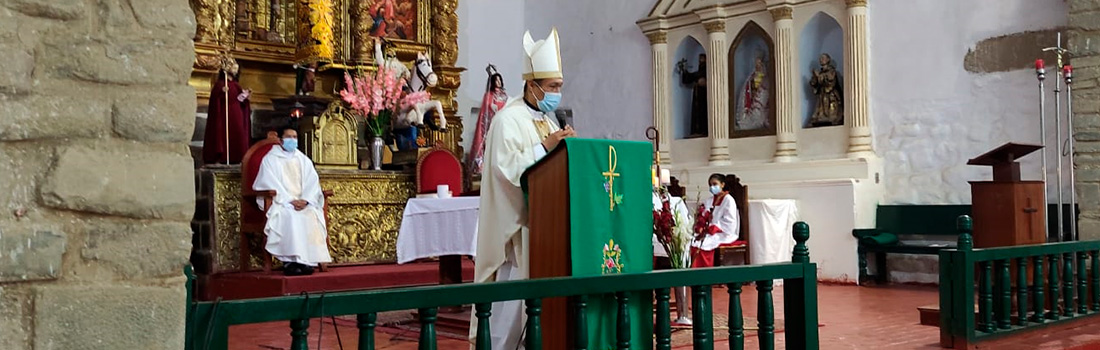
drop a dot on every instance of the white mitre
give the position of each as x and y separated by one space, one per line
543 59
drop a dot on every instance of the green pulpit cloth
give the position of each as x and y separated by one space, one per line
611 224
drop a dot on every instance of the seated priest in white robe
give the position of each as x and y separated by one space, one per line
519 135
295 227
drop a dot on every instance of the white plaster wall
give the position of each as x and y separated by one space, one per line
829 208
607 64
490 31
929 115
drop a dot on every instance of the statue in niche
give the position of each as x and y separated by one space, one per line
305 78
825 83
698 82
752 101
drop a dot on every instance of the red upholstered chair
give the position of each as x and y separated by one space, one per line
253 220
726 252
438 166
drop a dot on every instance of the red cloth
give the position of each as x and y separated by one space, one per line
702 258
240 125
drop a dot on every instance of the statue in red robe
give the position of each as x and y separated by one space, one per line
235 110
494 100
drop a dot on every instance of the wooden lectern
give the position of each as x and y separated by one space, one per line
581 196
1007 211
548 219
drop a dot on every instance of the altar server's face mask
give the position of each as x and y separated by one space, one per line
715 189
550 100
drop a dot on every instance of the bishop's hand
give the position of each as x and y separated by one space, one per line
555 138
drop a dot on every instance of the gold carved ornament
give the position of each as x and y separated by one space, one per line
657 37
781 13
363 221
315 36
856 3
715 26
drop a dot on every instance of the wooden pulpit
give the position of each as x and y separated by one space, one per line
589 214
1007 211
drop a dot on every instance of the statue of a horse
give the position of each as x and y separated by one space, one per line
418 101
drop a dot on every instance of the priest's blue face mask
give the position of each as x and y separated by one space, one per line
290 144
549 101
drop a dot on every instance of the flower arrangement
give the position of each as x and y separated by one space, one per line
376 97
673 231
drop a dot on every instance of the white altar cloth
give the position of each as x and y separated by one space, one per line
432 227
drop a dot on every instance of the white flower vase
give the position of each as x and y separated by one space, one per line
376 153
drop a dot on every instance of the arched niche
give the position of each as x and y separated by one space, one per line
821 35
689 92
752 83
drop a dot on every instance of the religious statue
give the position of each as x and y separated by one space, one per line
494 100
305 78
825 83
752 99
698 82
229 117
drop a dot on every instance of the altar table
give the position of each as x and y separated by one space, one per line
432 227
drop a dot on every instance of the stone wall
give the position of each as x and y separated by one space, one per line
1084 25
96 187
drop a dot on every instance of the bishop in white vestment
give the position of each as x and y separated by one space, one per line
519 135
295 222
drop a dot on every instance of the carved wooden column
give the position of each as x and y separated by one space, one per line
717 93
856 89
786 147
662 118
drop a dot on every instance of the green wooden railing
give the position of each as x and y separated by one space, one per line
208 323
1018 288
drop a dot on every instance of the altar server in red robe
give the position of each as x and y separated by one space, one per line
717 223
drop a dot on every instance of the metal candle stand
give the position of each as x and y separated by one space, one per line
1064 148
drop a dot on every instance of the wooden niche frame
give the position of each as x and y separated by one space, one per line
751 28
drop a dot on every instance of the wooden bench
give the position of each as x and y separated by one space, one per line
919 229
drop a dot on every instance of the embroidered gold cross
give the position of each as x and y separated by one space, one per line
610 174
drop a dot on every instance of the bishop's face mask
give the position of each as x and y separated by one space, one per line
290 144
550 100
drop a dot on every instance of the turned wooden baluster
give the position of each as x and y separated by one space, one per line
985 297
736 319
1096 281
366 323
1055 292
534 325
766 314
701 318
484 334
299 334
580 307
1038 290
427 328
1021 291
623 321
664 314
1082 283
1004 287
1068 285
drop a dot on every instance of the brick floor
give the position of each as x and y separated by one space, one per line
878 318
